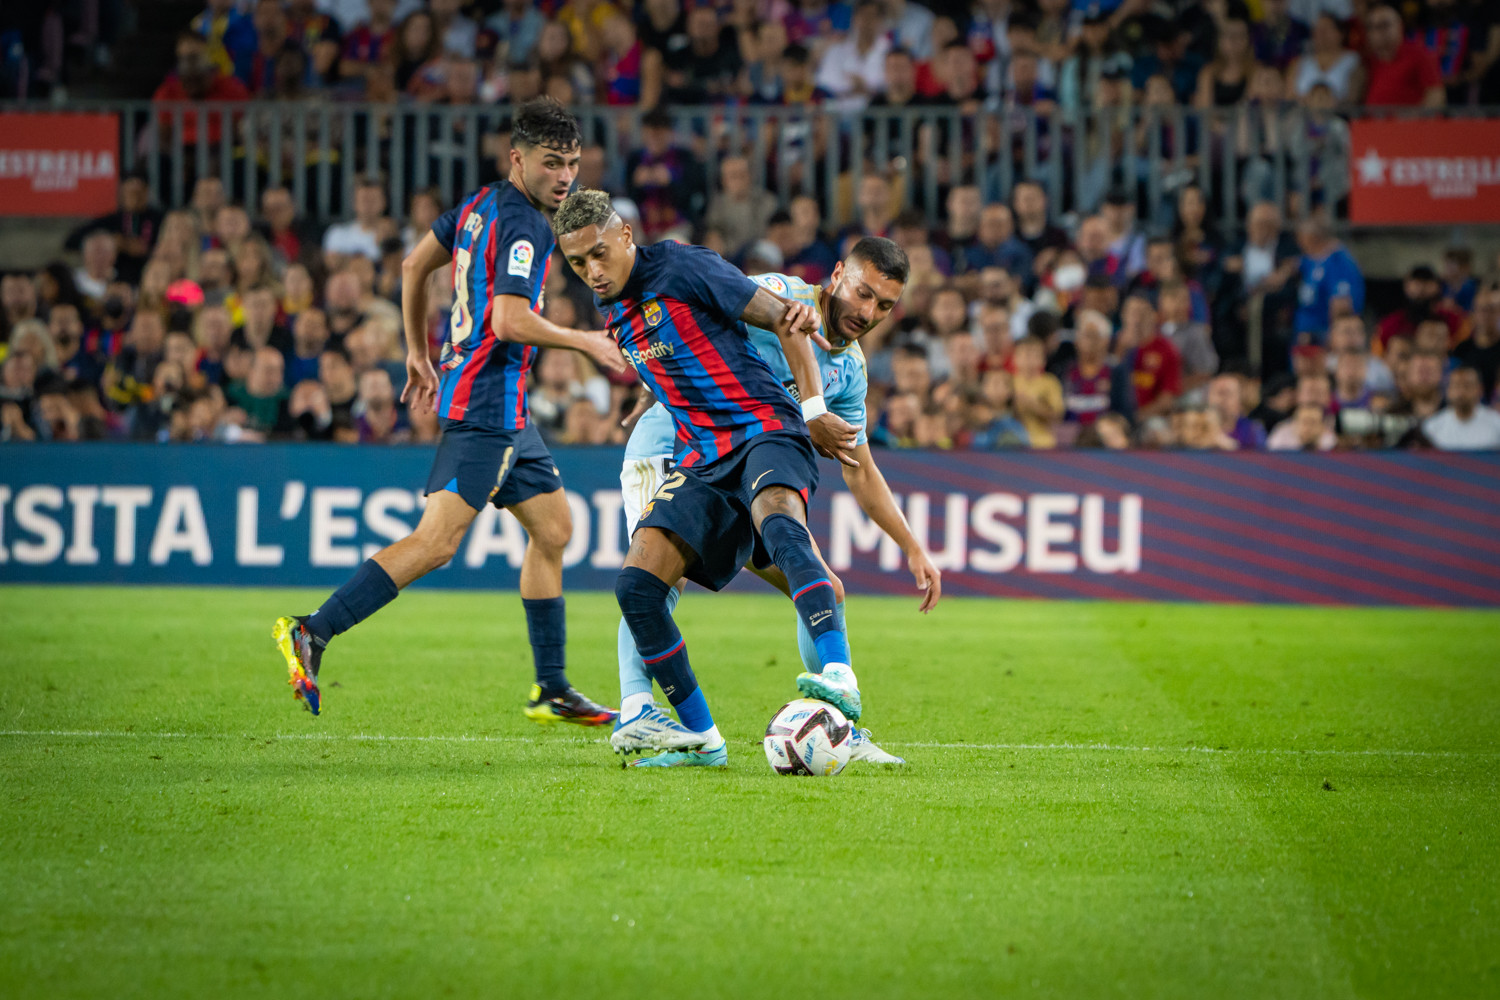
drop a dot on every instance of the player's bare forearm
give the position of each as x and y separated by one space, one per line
514 321
772 312
425 259
873 494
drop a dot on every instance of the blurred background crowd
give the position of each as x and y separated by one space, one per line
1140 320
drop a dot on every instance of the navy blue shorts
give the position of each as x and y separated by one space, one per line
708 506
485 465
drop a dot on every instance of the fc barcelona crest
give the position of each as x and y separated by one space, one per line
652 312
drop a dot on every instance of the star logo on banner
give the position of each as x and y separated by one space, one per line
1371 167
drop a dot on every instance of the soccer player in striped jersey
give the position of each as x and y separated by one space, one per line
746 458
499 243
862 291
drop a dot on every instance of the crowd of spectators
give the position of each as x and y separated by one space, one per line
1206 53
1023 326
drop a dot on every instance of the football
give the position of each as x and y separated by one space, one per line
808 737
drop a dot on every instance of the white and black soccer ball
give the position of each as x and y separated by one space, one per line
808 737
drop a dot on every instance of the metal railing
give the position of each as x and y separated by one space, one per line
319 148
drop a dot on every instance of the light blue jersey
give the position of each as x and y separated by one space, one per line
845 382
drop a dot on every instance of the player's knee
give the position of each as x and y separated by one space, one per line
639 593
838 587
552 536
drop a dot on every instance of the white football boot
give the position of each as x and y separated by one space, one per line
653 729
836 685
863 748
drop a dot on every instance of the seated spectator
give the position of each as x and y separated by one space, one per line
1091 385
1226 397
74 359
1308 429
196 79
708 68
375 414
1421 392
1038 394
309 338
135 225
262 394
994 245
1277 38
286 234
1331 280
1127 243
1328 62
1422 299
30 337
1033 227
1170 57
1223 82
740 211
852 70
897 425
18 302
310 412
1481 348
100 252
1201 430
128 378
260 328
1193 341
664 179
1157 370
1351 387
1398 71
214 332
369 43
362 234
808 255
1465 424
338 379
342 302
1460 286
1347 336
518 27
416 44
993 421
962 353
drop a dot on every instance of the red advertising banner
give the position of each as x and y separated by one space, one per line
1424 171
58 164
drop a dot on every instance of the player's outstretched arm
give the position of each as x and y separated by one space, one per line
424 260
514 321
874 496
793 322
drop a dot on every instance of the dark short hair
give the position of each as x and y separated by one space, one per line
544 122
798 53
886 256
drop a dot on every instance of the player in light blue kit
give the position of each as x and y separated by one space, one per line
862 291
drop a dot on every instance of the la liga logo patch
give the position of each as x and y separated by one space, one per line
521 253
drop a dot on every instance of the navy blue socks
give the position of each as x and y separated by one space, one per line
791 549
546 625
643 602
367 591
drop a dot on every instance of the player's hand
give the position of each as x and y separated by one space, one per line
834 438
928 578
643 402
803 318
603 350
421 391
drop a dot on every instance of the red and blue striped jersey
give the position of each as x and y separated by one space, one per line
502 245
677 322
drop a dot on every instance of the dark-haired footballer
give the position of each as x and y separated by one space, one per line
499 242
746 463
863 289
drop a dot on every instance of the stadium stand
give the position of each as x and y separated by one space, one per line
1125 219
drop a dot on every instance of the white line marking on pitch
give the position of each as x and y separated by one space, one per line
1042 747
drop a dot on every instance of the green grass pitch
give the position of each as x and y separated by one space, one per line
1102 801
